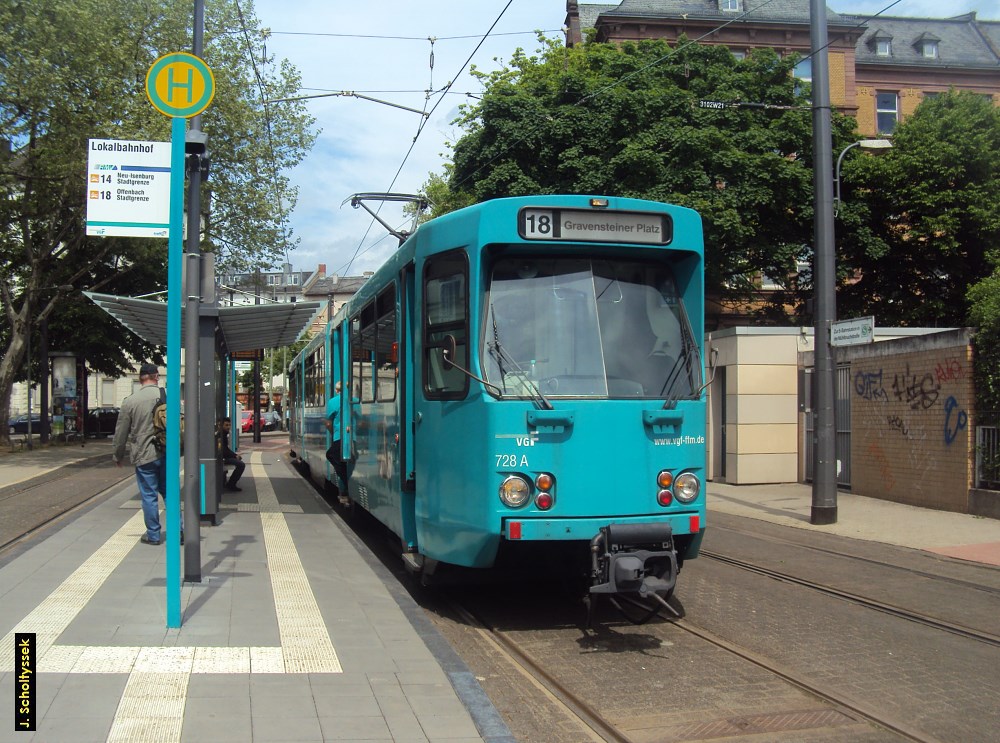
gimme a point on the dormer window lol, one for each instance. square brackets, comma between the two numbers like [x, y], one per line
[927, 45]
[731, 6]
[881, 42]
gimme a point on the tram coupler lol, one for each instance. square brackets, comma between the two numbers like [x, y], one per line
[635, 559]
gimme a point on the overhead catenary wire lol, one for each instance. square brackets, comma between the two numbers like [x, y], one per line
[425, 119]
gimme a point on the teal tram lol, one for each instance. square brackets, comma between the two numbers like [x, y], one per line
[526, 388]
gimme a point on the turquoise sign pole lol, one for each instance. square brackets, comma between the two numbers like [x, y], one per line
[179, 85]
[175, 254]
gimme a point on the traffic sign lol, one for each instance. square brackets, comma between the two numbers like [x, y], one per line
[128, 188]
[180, 85]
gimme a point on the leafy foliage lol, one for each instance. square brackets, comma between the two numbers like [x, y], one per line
[72, 70]
[984, 300]
[625, 120]
[919, 224]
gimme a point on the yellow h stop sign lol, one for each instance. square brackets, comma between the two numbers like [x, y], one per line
[180, 85]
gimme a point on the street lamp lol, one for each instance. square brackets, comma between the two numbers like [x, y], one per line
[871, 145]
[27, 349]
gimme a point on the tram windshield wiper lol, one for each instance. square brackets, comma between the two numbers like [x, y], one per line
[690, 354]
[500, 354]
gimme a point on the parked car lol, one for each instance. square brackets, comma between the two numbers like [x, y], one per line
[101, 422]
[19, 424]
[272, 420]
[246, 423]
[267, 421]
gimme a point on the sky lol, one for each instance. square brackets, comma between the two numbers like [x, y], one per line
[366, 146]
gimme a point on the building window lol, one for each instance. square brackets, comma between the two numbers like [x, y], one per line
[803, 71]
[293, 279]
[930, 50]
[883, 47]
[738, 54]
[732, 6]
[886, 111]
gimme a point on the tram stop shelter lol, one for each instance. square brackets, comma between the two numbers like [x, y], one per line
[223, 331]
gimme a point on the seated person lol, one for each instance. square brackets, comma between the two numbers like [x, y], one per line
[229, 457]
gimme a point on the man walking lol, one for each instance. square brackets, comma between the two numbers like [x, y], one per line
[135, 429]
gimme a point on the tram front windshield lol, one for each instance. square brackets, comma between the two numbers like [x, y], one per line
[581, 327]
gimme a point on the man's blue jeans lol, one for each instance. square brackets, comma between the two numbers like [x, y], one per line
[152, 480]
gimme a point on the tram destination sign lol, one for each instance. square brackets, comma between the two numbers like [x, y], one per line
[128, 188]
[584, 225]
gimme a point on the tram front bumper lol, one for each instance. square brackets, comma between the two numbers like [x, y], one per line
[542, 529]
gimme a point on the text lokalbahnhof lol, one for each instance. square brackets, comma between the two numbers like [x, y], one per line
[120, 147]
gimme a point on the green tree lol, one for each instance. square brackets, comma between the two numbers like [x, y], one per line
[71, 70]
[984, 301]
[919, 225]
[625, 120]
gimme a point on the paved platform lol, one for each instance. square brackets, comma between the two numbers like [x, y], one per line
[294, 634]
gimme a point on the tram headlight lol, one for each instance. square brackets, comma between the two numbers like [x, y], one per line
[515, 491]
[686, 487]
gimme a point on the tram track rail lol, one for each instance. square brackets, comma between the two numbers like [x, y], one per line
[823, 692]
[573, 706]
[994, 590]
[854, 598]
[33, 520]
[602, 729]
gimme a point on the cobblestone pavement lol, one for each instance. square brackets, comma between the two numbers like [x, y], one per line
[660, 683]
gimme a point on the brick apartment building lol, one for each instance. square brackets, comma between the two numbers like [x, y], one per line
[880, 68]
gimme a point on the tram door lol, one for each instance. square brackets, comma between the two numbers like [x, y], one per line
[441, 422]
[340, 353]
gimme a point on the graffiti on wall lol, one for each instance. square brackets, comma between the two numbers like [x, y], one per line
[869, 385]
[917, 391]
[920, 392]
[911, 415]
[953, 426]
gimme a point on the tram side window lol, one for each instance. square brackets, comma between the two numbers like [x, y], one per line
[386, 348]
[309, 388]
[315, 379]
[363, 351]
[446, 311]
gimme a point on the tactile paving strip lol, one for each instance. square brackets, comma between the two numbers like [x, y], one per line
[50, 618]
[151, 708]
[305, 640]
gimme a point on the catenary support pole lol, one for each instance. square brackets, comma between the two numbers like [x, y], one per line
[194, 151]
[824, 494]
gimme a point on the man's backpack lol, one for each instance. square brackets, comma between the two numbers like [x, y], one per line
[160, 423]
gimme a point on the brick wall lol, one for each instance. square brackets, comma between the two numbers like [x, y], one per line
[866, 111]
[911, 412]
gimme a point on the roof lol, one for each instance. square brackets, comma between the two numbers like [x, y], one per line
[244, 328]
[794, 11]
[336, 285]
[961, 41]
